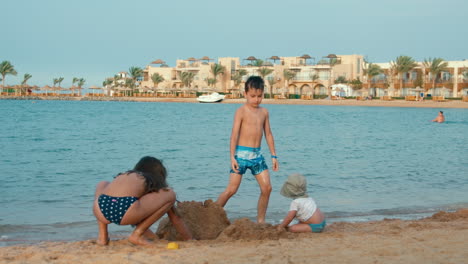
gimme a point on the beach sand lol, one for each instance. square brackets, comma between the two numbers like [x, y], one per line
[441, 238]
[345, 102]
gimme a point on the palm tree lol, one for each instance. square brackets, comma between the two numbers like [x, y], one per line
[6, 68]
[74, 80]
[237, 77]
[288, 76]
[356, 84]
[115, 80]
[55, 80]
[272, 82]
[264, 71]
[187, 78]
[217, 69]
[26, 77]
[314, 77]
[80, 84]
[404, 64]
[257, 63]
[370, 71]
[157, 79]
[60, 80]
[135, 73]
[210, 81]
[341, 79]
[435, 67]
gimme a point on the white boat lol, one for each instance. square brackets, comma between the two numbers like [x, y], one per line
[211, 98]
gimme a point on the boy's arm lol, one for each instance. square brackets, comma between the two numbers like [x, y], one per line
[289, 217]
[179, 224]
[234, 139]
[271, 142]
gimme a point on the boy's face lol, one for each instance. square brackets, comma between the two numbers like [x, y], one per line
[254, 97]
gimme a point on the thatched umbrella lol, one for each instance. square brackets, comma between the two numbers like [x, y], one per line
[206, 58]
[72, 89]
[46, 88]
[93, 87]
[192, 59]
[158, 61]
[305, 57]
[274, 58]
[251, 59]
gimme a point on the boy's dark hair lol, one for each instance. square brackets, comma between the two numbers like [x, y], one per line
[254, 82]
[441, 112]
[154, 173]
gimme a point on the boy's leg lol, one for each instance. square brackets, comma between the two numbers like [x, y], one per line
[231, 189]
[145, 212]
[103, 235]
[263, 179]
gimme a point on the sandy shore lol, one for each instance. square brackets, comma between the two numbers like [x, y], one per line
[345, 102]
[441, 238]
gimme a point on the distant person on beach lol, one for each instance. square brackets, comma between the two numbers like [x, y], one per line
[440, 118]
[303, 207]
[137, 197]
[250, 123]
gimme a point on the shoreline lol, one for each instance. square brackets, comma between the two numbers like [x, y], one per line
[440, 238]
[344, 102]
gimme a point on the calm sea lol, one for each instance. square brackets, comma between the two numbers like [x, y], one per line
[361, 163]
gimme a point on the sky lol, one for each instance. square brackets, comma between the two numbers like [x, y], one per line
[95, 39]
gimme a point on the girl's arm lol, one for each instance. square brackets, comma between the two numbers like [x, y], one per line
[289, 217]
[179, 224]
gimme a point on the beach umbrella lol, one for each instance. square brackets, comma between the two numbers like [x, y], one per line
[274, 58]
[158, 61]
[46, 88]
[417, 90]
[206, 58]
[93, 87]
[305, 57]
[191, 59]
[251, 59]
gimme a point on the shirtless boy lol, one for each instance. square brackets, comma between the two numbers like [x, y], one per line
[250, 123]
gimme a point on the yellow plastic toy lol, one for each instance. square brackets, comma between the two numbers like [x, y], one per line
[172, 245]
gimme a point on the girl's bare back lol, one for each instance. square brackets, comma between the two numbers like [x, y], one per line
[126, 184]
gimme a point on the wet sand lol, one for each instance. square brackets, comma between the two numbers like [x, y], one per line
[441, 238]
[344, 102]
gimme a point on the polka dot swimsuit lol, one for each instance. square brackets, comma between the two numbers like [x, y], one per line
[114, 208]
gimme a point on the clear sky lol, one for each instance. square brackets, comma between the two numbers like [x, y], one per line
[95, 39]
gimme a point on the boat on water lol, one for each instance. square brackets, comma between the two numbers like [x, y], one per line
[210, 98]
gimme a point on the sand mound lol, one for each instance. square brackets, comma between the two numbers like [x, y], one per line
[446, 217]
[245, 229]
[206, 221]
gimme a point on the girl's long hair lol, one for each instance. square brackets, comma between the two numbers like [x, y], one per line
[154, 173]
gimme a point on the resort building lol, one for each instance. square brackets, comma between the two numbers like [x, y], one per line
[303, 76]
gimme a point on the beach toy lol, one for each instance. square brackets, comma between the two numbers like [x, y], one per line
[172, 245]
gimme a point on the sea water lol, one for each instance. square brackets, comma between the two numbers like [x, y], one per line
[361, 163]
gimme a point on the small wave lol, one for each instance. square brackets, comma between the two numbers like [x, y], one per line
[58, 150]
[415, 212]
[8, 228]
[170, 150]
[50, 201]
